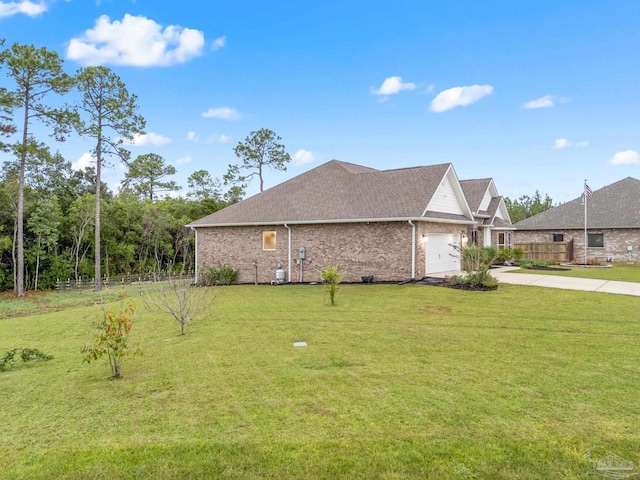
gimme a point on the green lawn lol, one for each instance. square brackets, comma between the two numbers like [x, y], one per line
[397, 382]
[625, 272]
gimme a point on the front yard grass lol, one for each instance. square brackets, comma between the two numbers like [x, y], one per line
[625, 272]
[396, 382]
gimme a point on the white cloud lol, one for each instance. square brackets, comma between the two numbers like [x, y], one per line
[224, 113]
[561, 143]
[459, 97]
[31, 9]
[302, 157]
[183, 160]
[218, 43]
[542, 102]
[626, 157]
[564, 143]
[215, 138]
[85, 160]
[153, 139]
[193, 136]
[136, 41]
[393, 85]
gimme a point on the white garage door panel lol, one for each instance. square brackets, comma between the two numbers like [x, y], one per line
[441, 253]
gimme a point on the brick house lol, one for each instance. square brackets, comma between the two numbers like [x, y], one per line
[392, 224]
[613, 224]
[492, 222]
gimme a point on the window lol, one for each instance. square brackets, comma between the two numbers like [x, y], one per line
[268, 240]
[474, 237]
[504, 239]
[558, 237]
[596, 240]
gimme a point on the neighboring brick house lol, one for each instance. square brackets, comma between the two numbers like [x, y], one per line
[392, 224]
[613, 224]
[493, 225]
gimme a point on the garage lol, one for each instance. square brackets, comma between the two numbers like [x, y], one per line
[442, 253]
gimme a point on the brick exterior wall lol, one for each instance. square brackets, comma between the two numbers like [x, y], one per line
[615, 242]
[379, 249]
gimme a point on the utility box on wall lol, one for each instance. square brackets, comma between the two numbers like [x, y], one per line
[303, 253]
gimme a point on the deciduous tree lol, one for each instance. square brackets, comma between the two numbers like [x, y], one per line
[44, 223]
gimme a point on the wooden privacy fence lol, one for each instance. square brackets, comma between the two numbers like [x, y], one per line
[552, 252]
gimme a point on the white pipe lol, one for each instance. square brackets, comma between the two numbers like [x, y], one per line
[289, 252]
[195, 268]
[413, 249]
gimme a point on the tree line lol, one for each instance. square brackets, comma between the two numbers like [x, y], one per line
[59, 223]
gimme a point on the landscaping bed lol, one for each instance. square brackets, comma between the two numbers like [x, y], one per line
[448, 283]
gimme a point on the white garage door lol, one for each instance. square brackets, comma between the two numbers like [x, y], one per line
[441, 253]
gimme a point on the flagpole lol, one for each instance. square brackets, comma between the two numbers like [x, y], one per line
[584, 199]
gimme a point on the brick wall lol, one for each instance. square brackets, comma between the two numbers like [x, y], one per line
[379, 249]
[615, 246]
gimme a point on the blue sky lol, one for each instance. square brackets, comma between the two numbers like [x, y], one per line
[540, 95]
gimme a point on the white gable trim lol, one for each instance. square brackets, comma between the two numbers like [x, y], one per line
[449, 197]
[502, 212]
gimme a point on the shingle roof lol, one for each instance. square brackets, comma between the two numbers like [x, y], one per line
[614, 206]
[474, 190]
[339, 191]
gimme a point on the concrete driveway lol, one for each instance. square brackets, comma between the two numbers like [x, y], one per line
[567, 283]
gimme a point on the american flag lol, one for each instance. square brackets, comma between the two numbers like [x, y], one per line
[587, 191]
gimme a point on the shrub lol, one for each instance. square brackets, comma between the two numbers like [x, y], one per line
[528, 264]
[476, 262]
[330, 276]
[112, 338]
[477, 258]
[219, 274]
[25, 354]
[518, 253]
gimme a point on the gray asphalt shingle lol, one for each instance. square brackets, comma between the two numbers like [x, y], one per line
[614, 206]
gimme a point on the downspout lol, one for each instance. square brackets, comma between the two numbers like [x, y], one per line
[288, 252]
[195, 266]
[413, 249]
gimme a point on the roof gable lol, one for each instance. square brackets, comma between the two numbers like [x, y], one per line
[475, 192]
[449, 197]
[339, 192]
[613, 206]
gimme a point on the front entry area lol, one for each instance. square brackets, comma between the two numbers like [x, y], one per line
[441, 254]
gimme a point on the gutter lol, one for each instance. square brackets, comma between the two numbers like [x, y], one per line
[195, 267]
[346, 220]
[413, 249]
[288, 252]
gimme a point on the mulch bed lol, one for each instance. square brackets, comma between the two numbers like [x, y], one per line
[444, 282]
[548, 269]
